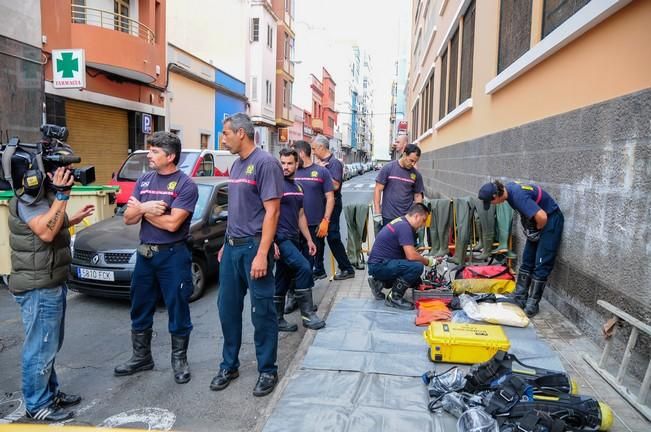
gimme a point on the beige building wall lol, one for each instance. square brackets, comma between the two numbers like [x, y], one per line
[191, 110]
[608, 60]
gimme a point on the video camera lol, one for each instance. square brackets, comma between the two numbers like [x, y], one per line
[25, 166]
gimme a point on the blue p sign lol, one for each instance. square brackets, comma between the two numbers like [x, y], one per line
[146, 123]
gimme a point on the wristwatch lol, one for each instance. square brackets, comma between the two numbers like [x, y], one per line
[61, 196]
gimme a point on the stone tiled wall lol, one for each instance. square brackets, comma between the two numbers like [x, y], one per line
[596, 162]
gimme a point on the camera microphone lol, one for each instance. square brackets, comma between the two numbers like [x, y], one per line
[62, 160]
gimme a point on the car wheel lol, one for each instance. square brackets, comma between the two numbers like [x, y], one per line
[198, 278]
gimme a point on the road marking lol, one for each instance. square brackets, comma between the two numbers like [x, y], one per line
[154, 418]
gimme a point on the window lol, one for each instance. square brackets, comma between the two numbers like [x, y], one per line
[427, 96]
[222, 196]
[121, 21]
[290, 93]
[78, 13]
[205, 139]
[285, 93]
[270, 36]
[415, 128]
[267, 92]
[254, 88]
[467, 50]
[331, 123]
[444, 80]
[207, 166]
[255, 29]
[332, 95]
[452, 76]
[515, 31]
[457, 60]
[55, 110]
[556, 12]
[287, 46]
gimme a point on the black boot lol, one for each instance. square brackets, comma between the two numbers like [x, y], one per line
[306, 304]
[376, 288]
[180, 359]
[396, 299]
[291, 305]
[283, 325]
[141, 359]
[537, 288]
[519, 297]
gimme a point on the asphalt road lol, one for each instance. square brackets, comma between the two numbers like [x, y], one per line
[97, 338]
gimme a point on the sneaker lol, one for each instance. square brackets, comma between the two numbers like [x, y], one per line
[66, 400]
[52, 413]
[223, 379]
[345, 274]
[318, 276]
[266, 384]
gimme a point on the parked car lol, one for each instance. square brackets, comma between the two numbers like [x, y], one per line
[193, 162]
[104, 254]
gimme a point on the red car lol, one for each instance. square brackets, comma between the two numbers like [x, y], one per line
[193, 162]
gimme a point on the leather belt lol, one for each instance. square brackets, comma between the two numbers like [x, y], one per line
[239, 241]
[163, 247]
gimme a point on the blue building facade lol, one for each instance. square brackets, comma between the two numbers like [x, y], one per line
[230, 98]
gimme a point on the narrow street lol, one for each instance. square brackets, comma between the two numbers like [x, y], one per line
[97, 338]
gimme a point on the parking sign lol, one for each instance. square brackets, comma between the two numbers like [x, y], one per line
[146, 123]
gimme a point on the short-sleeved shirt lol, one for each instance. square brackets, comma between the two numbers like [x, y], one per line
[290, 206]
[529, 198]
[254, 180]
[28, 212]
[390, 241]
[316, 181]
[336, 169]
[177, 190]
[400, 185]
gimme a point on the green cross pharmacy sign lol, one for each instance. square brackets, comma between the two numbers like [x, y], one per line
[69, 68]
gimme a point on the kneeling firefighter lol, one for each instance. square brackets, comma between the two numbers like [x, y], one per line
[394, 260]
[542, 223]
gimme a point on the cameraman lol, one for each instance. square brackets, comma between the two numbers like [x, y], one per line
[40, 256]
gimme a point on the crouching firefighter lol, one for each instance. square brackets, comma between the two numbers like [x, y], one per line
[162, 202]
[394, 261]
[291, 263]
[542, 223]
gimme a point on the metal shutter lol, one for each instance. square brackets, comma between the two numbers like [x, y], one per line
[99, 134]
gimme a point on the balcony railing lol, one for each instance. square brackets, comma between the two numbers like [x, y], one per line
[111, 20]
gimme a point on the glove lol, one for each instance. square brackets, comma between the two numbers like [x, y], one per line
[323, 228]
[431, 261]
[528, 224]
[377, 218]
[532, 235]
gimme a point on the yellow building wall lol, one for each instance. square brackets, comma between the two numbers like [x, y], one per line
[192, 110]
[610, 60]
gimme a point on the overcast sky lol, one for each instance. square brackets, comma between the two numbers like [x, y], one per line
[325, 33]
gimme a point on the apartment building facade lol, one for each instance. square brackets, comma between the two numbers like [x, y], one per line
[125, 55]
[557, 93]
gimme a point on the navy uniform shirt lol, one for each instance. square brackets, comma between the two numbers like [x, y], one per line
[177, 190]
[529, 198]
[400, 185]
[290, 207]
[390, 241]
[316, 182]
[253, 180]
[336, 169]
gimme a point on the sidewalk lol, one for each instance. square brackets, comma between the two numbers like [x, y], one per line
[551, 327]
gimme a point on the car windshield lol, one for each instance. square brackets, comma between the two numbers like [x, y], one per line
[202, 202]
[136, 165]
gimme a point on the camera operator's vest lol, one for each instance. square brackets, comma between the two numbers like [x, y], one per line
[35, 263]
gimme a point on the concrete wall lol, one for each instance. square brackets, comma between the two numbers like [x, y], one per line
[596, 162]
[21, 81]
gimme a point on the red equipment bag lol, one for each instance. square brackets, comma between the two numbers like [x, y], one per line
[486, 272]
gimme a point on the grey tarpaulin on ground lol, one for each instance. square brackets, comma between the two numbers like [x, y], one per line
[356, 217]
[362, 373]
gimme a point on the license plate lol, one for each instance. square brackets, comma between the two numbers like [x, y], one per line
[102, 275]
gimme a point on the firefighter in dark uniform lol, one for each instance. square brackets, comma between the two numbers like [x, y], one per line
[246, 261]
[542, 223]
